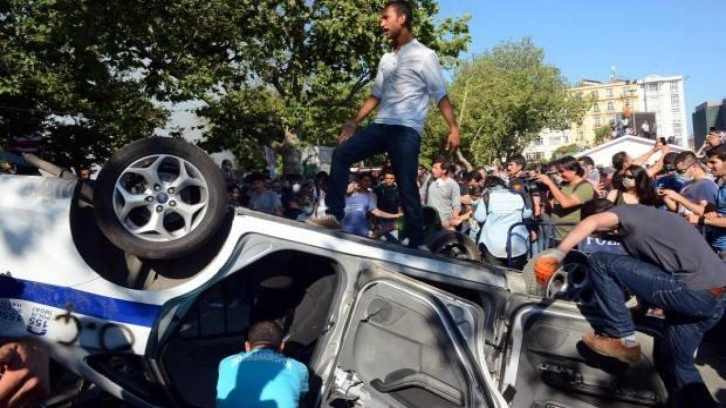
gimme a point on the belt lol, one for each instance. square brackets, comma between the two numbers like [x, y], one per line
[717, 291]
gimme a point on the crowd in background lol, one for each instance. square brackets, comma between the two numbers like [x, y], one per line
[511, 211]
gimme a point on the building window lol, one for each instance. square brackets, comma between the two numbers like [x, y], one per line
[595, 94]
[535, 156]
[653, 87]
[596, 108]
[611, 107]
[611, 120]
[674, 87]
[677, 127]
[597, 121]
[610, 92]
[675, 102]
[538, 141]
[565, 139]
[581, 135]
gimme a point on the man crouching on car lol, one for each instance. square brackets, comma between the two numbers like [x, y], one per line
[670, 266]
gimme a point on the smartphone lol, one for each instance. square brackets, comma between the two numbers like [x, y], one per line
[663, 141]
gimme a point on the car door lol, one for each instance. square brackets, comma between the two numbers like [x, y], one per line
[546, 364]
[408, 344]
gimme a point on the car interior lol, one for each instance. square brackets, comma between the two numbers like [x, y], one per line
[294, 289]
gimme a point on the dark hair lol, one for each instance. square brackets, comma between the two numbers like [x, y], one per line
[256, 176]
[402, 7]
[643, 185]
[670, 159]
[445, 165]
[472, 175]
[619, 160]
[364, 175]
[266, 334]
[595, 206]
[686, 156]
[233, 187]
[570, 163]
[321, 176]
[494, 181]
[587, 160]
[387, 172]
[718, 151]
[518, 159]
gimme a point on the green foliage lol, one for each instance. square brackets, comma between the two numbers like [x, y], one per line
[504, 98]
[309, 64]
[602, 134]
[567, 150]
[90, 75]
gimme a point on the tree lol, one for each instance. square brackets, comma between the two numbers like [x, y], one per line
[89, 74]
[505, 97]
[602, 134]
[304, 71]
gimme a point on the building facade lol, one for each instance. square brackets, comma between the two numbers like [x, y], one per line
[657, 100]
[665, 97]
[706, 116]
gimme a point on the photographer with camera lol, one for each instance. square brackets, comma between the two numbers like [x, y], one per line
[565, 201]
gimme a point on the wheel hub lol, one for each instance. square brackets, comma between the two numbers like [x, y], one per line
[162, 198]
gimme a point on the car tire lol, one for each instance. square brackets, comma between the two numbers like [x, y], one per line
[454, 244]
[160, 198]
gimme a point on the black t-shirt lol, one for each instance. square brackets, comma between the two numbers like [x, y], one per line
[388, 199]
[670, 242]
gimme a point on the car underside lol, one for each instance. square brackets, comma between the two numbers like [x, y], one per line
[377, 324]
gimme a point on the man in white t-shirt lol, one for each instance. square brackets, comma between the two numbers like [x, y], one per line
[407, 79]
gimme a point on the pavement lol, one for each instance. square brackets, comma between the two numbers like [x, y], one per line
[711, 362]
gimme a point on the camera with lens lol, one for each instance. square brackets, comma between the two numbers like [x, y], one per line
[534, 186]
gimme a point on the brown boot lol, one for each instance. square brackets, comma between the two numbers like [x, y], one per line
[609, 347]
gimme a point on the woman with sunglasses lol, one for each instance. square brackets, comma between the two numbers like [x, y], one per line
[635, 187]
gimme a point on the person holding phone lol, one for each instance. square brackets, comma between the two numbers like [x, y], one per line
[698, 190]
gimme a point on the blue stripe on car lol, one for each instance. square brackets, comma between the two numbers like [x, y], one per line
[86, 303]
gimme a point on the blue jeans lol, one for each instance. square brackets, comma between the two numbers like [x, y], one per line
[688, 313]
[402, 145]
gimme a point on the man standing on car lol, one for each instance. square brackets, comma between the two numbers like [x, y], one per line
[670, 266]
[261, 376]
[407, 79]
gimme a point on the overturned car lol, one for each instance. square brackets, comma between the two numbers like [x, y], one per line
[142, 282]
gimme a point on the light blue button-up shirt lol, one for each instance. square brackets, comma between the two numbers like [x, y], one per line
[505, 209]
[405, 83]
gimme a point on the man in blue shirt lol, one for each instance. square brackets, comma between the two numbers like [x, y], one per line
[408, 78]
[262, 376]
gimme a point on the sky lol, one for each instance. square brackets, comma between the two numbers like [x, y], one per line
[584, 38]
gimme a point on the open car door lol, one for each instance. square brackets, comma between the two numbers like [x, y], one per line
[410, 345]
[546, 364]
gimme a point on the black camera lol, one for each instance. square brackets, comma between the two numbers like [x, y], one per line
[533, 185]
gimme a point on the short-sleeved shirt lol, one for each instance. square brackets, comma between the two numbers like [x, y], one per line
[405, 83]
[718, 235]
[261, 378]
[584, 192]
[267, 201]
[670, 242]
[357, 207]
[444, 196]
[700, 190]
